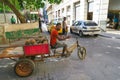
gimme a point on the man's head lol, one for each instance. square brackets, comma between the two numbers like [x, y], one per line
[58, 26]
[64, 18]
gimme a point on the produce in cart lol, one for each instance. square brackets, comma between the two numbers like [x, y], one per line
[39, 40]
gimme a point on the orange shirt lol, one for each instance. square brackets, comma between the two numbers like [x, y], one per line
[53, 37]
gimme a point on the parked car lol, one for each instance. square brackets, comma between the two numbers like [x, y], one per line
[52, 26]
[86, 27]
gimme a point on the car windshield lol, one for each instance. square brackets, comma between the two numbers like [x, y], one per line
[77, 23]
[55, 22]
[90, 23]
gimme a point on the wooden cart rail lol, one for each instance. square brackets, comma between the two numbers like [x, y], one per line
[6, 49]
[12, 56]
[11, 46]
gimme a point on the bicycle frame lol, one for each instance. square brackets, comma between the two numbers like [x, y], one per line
[71, 48]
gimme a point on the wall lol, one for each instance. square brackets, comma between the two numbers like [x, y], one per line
[2, 35]
[8, 16]
[114, 4]
[83, 8]
[100, 12]
[69, 14]
[24, 26]
[14, 31]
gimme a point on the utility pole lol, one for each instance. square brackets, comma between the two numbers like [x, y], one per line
[4, 12]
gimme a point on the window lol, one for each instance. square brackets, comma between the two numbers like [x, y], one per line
[90, 24]
[62, 10]
[58, 13]
[68, 9]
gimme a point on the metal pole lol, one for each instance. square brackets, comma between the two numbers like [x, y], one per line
[4, 12]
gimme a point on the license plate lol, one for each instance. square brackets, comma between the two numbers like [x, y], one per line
[93, 28]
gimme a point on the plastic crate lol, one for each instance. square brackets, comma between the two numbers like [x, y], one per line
[30, 50]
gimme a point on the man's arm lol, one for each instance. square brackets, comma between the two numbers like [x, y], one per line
[62, 37]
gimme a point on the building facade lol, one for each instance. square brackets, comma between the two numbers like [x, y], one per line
[96, 10]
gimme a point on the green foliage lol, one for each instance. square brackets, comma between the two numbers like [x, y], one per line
[20, 2]
[36, 4]
[54, 1]
[15, 3]
[29, 4]
[7, 9]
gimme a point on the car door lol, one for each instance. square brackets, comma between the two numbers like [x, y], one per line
[73, 26]
[78, 26]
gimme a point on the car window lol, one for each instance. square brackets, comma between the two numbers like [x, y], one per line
[73, 24]
[90, 23]
[77, 23]
[55, 22]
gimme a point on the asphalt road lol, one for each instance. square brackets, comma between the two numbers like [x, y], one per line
[101, 63]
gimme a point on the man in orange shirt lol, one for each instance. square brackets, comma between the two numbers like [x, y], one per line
[55, 36]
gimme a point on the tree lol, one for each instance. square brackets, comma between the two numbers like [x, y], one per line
[36, 3]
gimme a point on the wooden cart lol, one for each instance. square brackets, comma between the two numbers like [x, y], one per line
[25, 63]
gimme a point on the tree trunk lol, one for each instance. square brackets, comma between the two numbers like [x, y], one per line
[18, 14]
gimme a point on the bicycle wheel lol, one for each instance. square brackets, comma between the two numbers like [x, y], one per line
[81, 53]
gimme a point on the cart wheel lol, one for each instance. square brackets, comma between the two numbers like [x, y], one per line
[81, 53]
[24, 67]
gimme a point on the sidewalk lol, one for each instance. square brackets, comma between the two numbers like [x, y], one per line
[111, 33]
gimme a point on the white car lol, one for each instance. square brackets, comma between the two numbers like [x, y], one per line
[86, 27]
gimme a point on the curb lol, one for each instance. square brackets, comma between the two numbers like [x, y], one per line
[113, 37]
[105, 36]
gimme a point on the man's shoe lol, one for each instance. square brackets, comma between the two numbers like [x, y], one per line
[63, 55]
[69, 52]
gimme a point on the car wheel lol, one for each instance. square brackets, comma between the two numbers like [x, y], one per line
[80, 33]
[71, 30]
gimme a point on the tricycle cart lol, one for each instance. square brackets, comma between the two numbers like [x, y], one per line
[25, 64]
